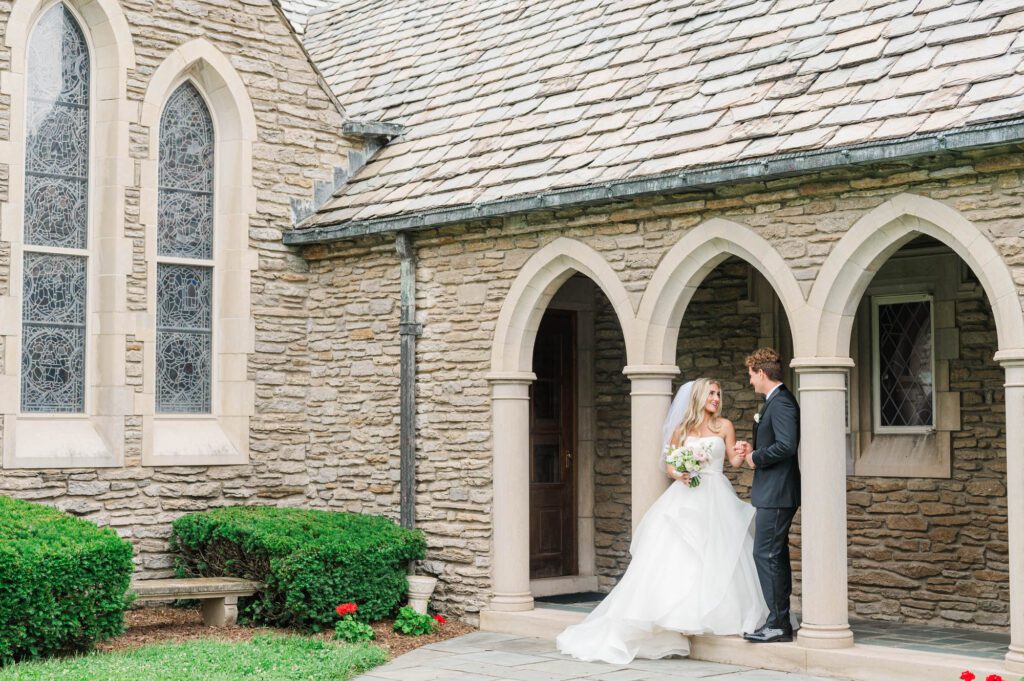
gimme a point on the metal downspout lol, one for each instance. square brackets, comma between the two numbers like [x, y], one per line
[408, 329]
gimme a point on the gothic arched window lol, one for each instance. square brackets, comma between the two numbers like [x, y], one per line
[184, 281]
[56, 217]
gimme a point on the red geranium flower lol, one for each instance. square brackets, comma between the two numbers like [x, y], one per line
[967, 676]
[992, 677]
[440, 619]
[346, 609]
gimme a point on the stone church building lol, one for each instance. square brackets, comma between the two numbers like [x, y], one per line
[448, 262]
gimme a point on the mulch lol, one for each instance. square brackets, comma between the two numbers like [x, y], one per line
[149, 625]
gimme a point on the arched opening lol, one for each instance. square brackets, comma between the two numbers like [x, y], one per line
[579, 445]
[926, 460]
[544, 402]
[926, 307]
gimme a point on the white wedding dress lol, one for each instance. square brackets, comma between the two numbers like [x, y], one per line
[692, 572]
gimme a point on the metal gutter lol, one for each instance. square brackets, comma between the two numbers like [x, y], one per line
[769, 167]
[408, 329]
[372, 129]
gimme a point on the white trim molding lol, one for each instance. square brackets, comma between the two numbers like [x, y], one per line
[94, 438]
[222, 437]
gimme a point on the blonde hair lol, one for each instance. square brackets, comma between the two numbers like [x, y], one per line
[694, 414]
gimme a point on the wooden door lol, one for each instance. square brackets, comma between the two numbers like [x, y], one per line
[552, 448]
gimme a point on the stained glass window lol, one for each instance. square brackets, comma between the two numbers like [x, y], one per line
[905, 390]
[186, 177]
[183, 351]
[185, 230]
[56, 216]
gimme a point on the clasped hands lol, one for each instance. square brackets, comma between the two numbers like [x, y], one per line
[743, 448]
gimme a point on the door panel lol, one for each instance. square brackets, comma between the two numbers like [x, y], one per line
[552, 443]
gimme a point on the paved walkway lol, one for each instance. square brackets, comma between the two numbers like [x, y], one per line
[484, 656]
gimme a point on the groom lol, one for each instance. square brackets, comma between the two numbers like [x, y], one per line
[776, 490]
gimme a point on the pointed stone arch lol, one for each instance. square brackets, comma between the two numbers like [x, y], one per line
[532, 290]
[98, 440]
[225, 439]
[686, 265]
[110, 39]
[867, 245]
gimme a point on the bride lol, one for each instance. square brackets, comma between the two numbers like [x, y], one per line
[692, 568]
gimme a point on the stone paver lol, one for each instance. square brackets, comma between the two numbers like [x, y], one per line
[486, 656]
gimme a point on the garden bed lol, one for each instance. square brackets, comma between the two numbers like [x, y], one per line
[145, 626]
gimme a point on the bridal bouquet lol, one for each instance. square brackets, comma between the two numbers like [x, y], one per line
[689, 459]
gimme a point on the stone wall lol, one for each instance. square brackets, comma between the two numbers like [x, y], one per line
[612, 463]
[297, 143]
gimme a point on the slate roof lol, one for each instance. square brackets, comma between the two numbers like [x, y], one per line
[298, 11]
[503, 98]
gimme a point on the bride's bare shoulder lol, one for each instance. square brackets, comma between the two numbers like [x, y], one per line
[726, 425]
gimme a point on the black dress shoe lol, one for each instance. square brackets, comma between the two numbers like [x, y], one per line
[753, 634]
[770, 635]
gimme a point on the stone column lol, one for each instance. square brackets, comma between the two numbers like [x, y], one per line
[1013, 365]
[650, 396]
[510, 437]
[822, 384]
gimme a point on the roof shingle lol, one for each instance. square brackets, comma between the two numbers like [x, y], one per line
[504, 97]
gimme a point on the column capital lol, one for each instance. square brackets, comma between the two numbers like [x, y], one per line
[1013, 357]
[651, 371]
[526, 377]
[821, 364]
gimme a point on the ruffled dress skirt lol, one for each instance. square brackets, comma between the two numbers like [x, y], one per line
[692, 572]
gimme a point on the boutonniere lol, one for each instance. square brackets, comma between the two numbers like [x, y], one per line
[757, 417]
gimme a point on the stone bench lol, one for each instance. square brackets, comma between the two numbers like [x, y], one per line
[218, 594]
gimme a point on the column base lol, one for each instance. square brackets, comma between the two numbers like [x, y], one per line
[519, 602]
[1015, 660]
[827, 636]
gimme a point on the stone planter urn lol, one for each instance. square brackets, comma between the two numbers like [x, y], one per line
[420, 588]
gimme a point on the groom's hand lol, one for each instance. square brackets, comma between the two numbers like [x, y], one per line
[750, 458]
[742, 448]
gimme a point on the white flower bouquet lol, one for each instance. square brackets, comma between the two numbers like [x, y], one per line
[689, 459]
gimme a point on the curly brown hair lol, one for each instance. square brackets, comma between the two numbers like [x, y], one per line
[767, 360]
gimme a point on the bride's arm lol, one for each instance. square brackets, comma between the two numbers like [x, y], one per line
[729, 435]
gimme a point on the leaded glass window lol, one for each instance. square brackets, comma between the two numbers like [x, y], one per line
[56, 216]
[186, 177]
[184, 288]
[183, 352]
[904, 389]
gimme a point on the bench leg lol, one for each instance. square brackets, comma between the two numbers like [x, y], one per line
[220, 612]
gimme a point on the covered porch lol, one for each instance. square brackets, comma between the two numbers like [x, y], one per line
[826, 352]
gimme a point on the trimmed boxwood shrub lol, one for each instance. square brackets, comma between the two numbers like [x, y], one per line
[309, 560]
[63, 581]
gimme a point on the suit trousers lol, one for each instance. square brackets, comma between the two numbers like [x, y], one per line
[771, 557]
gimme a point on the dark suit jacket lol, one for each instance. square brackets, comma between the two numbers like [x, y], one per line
[776, 438]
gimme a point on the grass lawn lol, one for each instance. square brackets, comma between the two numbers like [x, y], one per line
[264, 658]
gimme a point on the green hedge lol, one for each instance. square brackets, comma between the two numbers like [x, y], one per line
[63, 581]
[311, 561]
